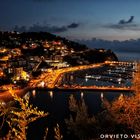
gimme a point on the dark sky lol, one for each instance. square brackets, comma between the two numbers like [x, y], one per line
[74, 19]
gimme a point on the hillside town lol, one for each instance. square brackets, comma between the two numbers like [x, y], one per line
[26, 55]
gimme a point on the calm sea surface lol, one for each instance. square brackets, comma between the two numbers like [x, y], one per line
[128, 56]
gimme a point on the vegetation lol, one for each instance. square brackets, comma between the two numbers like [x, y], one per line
[118, 117]
[58, 135]
[90, 56]
[17, 117]
[80, 123]
[126, 110]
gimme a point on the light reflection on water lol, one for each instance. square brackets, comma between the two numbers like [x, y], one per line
[51, 94]
[34, 93]
[58, 107]
[57, 102]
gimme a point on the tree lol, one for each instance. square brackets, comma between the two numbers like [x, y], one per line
[83, 126]
[18, 118]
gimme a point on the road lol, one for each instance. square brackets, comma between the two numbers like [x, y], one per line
[97, 88]
[49, 79]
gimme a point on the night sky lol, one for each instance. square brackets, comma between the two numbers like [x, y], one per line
[74, 19]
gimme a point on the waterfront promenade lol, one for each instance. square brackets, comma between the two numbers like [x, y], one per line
[48, 80]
